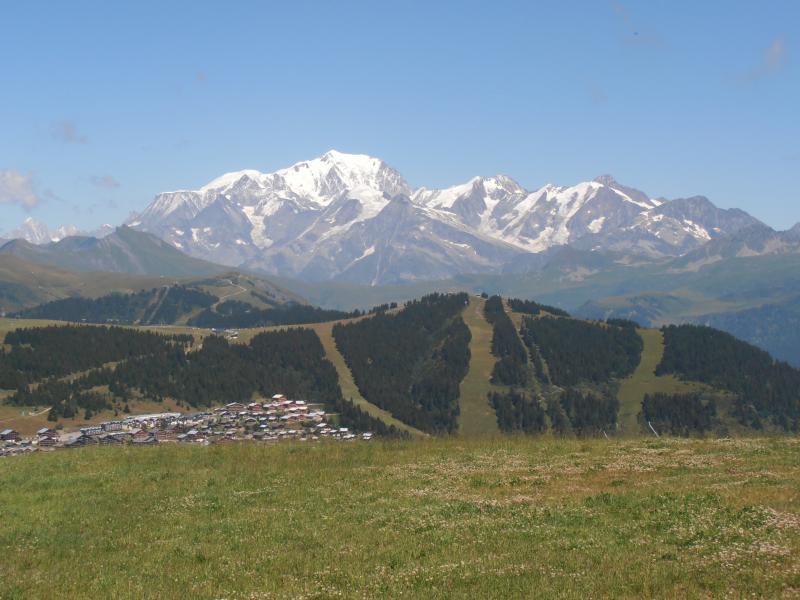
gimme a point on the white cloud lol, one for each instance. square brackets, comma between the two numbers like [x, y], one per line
[17, 188]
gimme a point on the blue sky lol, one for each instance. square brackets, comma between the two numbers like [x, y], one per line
[103, 105]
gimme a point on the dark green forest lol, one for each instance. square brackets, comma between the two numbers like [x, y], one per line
[512, 366]
[157, 306]
[766, 390]
[411, 363]
[581, 412]
[55, 351]
[578, 351]
[236, 314]
[529, 307]
[590, 412]
[156, 367]
[517, 412]
[679, 414]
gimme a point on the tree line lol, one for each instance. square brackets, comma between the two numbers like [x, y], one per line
[530, 307]
[766, 390]
[237, 314]
[54, 351]
[679, 414]
[162, 305]
[512, 365]
[570, 411]
[411, 363]
[577, 351]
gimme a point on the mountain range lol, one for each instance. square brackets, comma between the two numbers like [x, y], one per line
[352, 218]
[36, 232]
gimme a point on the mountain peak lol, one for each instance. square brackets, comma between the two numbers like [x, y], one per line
[36, 232]
[606, 180]
[336, 156]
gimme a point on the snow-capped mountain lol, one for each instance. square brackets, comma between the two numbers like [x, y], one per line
[353, 218]
[36, 232]
[239, 215]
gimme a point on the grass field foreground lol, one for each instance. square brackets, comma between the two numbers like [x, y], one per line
[484, 518]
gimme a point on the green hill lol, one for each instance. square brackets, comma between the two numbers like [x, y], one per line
[227, 300]
[25, 284]
[448, 364]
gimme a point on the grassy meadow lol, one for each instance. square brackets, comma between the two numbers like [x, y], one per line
[477, 415]
[644, 381]
[453, 518]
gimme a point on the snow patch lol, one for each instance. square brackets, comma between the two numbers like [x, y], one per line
[596, 225]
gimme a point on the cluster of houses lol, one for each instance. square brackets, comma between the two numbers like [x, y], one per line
[278, 419]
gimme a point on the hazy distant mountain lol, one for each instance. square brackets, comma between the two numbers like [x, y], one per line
[124, 251]
[755, 240]
[25, 284]
[36, 232]
[353, 218]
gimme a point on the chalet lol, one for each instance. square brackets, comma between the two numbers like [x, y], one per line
[166, 435]
[80, 441]
[146, 439]
[278, 398]
[234, 407]
[112, 426]
[255, 407]
[140, 434]
[9, 435]
[108, 439]
[47, 432]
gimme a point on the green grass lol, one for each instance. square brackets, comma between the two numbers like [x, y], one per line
[456, 518]
[477, 415]
[644, 381]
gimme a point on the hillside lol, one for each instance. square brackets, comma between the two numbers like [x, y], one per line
[223, 301]
[443, 364]
[25, 284]
[123, 251]
[411, 363]
[120, 367]
[749, 295]
[449, 518]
